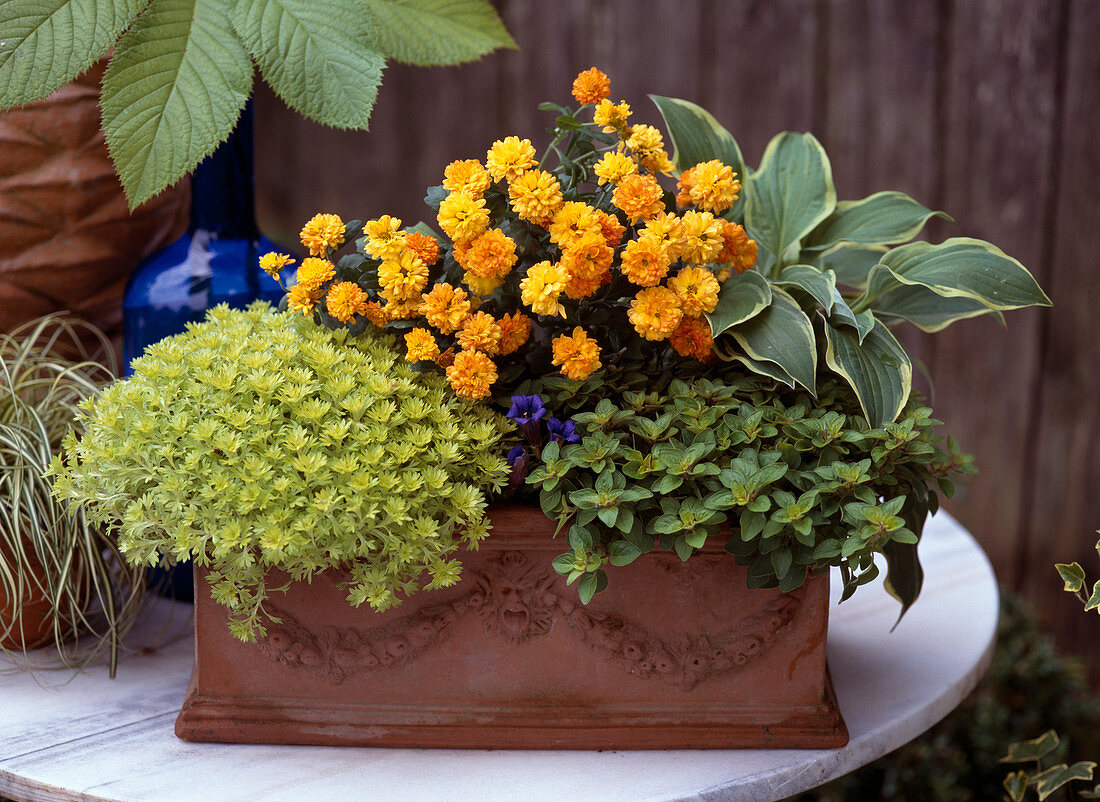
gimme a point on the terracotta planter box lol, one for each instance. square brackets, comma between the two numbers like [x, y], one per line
[672, 655]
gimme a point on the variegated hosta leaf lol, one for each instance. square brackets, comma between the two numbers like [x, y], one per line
[820, 285]
[850, 263]
[925, 309]
[428, 32]
[958, 268]
[788, 196]
[316, 54]
[47, 43]
[842, 315]
[727, 349]
[878, 370]
[782, 334]
[698, 137]
[885, 218]
[172, 92]
[741, 298]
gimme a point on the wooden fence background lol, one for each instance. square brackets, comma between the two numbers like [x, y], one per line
[987, 109]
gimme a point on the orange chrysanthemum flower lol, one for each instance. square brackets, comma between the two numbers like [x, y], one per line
[577, 354]
[472, 374]
[404, 309]
[588, 257]
[345, 300]
[697, 289]
[515, 330]
[321, 232]
[712, 186]
[611, 116]
[639, 196]
[461, 217]
[489, 255]
[384, 237]
[591, 86]
[572, 221]
[425, 247]
[535, 196]
[509, 158]
[480, 332]
[301, 298]
[611, 228]
[447, 358]
[692, 338]
[614, 166]
[467, 176]
[402, 277]
[738, 251]
[446, 307]
[273, 263]
[702, 240]
[542, 286]
[645, 261]
[314, 272]
[421, 345]
[655, 313]
[376, 314]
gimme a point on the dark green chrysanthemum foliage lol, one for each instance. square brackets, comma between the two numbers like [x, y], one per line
[802, 483]
[258, 440]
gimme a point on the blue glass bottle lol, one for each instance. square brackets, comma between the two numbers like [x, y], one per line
[216, 261]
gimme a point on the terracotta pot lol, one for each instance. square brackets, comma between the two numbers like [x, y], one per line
[26, 622]
[672, 655]
[67, 238]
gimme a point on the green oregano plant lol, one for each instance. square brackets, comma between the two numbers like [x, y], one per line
[801, 483]
[257, 440]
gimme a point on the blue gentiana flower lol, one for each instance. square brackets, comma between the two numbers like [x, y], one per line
[562, 430]
[516, 454]
[526, 408]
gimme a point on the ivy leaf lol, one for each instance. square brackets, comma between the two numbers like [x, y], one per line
[878, 370]
[1049, 781]
[1035, 749]
[788, 195]
[1073, 575]
[172, 93]
[742, 297]
[885, 218]
[784, 335]
[317, 56]
[49, 43]
[435, 32]
[1093, 602]
[1016, 785]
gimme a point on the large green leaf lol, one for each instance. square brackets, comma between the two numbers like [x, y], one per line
[172, 92]
[925, 309]
[742, 297]
[317, 56]
[46, 44]
[885, 218]
[428, 32]
[850, 263]
[726, 348]
[820, 285]
[843, 315]
[958, 268]
[784, 335]
[879, 370]
[904, 575]
[788, 195]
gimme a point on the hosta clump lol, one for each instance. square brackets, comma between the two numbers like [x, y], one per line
[256, 440]
[803, 483]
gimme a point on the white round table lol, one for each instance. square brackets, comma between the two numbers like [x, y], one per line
[67, 736]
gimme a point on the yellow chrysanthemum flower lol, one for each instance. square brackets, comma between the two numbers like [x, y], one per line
[535, 196]
[702, 240]
[446, 307]
[405, 309]
[542, 286]
[614, 166]
[481, 285]
[427, 248]
[572, 221]
[668, 228]
[655, 313]
[658, 162]
[645, 139]
[639, 196]
[461, 217]
[301, 298]
[588, 261]
[421, 345]
[321, 232]
[273, 263]
[611, 116]
[738, 251]
[712, 186]
[489, 255]
[645, 261]
[515, 330]
[692, 338]
[591, 86]
[612, 229]
[467, 176]
[578, 355]
[697, 289]
[472, 374]
[345, 300]
[314, 272]
[384, 237]
[402, 277]
[480, 332]
[509, 158]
